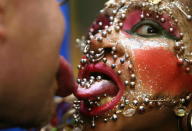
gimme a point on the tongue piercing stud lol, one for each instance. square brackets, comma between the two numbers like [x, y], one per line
[98, 78]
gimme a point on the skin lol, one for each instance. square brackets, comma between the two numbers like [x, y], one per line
[157, 71]
[30, 35]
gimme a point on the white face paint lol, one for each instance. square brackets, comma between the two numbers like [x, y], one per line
[138, 43]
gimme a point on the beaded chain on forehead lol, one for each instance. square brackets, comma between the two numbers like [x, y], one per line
[116, 11]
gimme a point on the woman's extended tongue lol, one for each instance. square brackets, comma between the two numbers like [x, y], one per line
[97, 89]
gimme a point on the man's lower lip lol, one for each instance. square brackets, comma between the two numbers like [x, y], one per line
[99, 110]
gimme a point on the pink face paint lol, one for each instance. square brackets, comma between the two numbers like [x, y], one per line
[158, 69]
[134, 17]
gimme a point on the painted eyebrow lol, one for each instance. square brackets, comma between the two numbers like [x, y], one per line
[135, 16]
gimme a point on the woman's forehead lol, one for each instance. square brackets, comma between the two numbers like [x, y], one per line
[183, 6]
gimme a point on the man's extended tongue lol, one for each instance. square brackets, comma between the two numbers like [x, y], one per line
[97, 89]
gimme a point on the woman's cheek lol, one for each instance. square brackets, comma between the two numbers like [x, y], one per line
[159, 71]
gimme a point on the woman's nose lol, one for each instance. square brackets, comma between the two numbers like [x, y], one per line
[108, 43]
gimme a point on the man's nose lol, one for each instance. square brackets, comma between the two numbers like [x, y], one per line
[108, 43]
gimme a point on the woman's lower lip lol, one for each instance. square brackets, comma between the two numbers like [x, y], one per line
[99, 110]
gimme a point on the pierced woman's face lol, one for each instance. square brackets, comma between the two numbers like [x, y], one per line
[137, 61]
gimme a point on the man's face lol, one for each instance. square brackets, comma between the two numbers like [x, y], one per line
[133, 63]
[31, 33]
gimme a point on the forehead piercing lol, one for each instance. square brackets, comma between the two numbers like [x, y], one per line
[142, 16]
[189, 17]
[162, 20]
[122, 16]
[171, 29]
[147, 14]
[157, 17]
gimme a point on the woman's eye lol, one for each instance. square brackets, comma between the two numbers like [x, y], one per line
[147, 30]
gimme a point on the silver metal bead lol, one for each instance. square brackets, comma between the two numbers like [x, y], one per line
[162, 20]
[113, 66]
[104, 33]
[114, 56]
[122, 60]
[189, 17]
[99, 39]
[114, 117]
[117, 28]
[114, 48]
[126, 83]
[98, 78]
[79, 67]
[119, 72]
[141, 109]
[104, 60]
[135, 102]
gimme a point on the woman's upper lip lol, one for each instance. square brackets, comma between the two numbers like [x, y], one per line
[82, 94]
